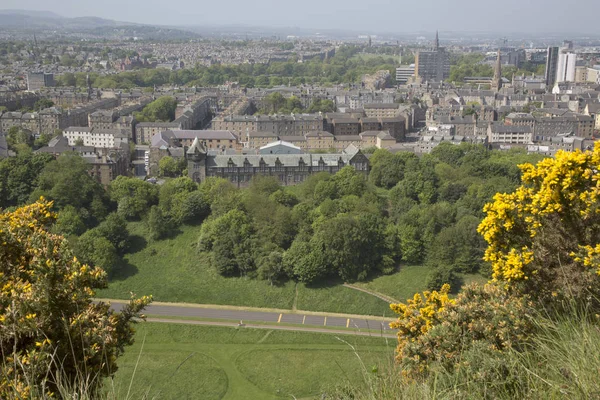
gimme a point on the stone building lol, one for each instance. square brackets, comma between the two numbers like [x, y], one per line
[288, 169]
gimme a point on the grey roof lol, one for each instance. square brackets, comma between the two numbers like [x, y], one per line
[499, 128]
[314, 160]
[257, 134]
[382, 105]
[159, 124]
[78, 129]
[204, 134]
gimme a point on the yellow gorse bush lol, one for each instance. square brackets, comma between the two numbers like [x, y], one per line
[419, 314]
[549, 225]
[48, 322]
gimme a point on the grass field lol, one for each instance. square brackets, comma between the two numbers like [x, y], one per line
[405, 283]
[200, 362]
[172, 270]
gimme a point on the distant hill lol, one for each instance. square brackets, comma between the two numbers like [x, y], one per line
[27, 20]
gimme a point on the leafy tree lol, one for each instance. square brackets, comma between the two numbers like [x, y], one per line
[94, 249]
[69, 222]
[19, 177]
[543, 238]
[42, 104]
[168, 166]
[114, 229]
[441, 276]
[270, 267]
[17, 136]
[45, 302]
[133, 196]
[159, 224]
[161, 109]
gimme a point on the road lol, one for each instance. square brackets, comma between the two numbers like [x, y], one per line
[248, 317]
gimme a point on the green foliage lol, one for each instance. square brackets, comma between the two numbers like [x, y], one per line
[169, 167]
[18, 139]
[52, 332]
[19, 177]
[67, 182]
[94, 249]
[69, 222]
[133, 196]
[114, 229]
[160, 110]
[158, 223]
[440, 276]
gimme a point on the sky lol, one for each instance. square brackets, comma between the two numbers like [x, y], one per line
[394, 16]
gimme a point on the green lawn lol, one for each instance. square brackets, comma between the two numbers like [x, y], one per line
[171, 270]
[400, 285]
[410, 279]
[179, 361]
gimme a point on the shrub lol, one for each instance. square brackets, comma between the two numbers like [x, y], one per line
[439, 331]
[49, 327]
[544, 238]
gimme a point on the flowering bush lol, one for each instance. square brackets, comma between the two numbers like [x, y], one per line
[48, 323]
[544, 238]
[440, 330]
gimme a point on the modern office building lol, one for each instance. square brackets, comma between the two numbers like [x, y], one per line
[551, 66]
[433, 65]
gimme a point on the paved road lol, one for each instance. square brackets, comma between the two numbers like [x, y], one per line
[247, 317]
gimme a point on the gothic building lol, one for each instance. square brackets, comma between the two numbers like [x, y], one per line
[288, 169]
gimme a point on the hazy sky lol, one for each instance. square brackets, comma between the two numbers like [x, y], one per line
[360, 15]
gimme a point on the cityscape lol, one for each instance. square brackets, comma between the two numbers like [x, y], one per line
[282, 211]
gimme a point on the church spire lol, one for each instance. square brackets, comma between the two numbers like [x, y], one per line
[497, 81]
[437, 41]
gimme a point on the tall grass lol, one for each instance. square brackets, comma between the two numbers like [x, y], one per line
[562, 362]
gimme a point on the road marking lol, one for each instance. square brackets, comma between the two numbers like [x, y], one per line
[279, 320]
[348, 322]
[325, 322]
[303, 319]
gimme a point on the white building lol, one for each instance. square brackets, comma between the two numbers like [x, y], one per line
[104, 138]
[404, 73]
[565, 71]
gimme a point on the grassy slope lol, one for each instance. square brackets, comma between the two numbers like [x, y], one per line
[185, 361]
[172, 270]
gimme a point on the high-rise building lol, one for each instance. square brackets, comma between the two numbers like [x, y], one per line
[565, 71]
[38, 80]
[433, 65]
[551, 66]
[497, 81]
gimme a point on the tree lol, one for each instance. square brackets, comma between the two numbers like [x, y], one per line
[544, 238]
[114, 229]
[42, 104]
[69, 222]
[17, 136]
[45, 302]
[168, 166]
[161, 109]
[158, 223]
[133, 196]
[67, 182]
[270, 267]
[440, 276]
[94, 249]
[19, 177]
